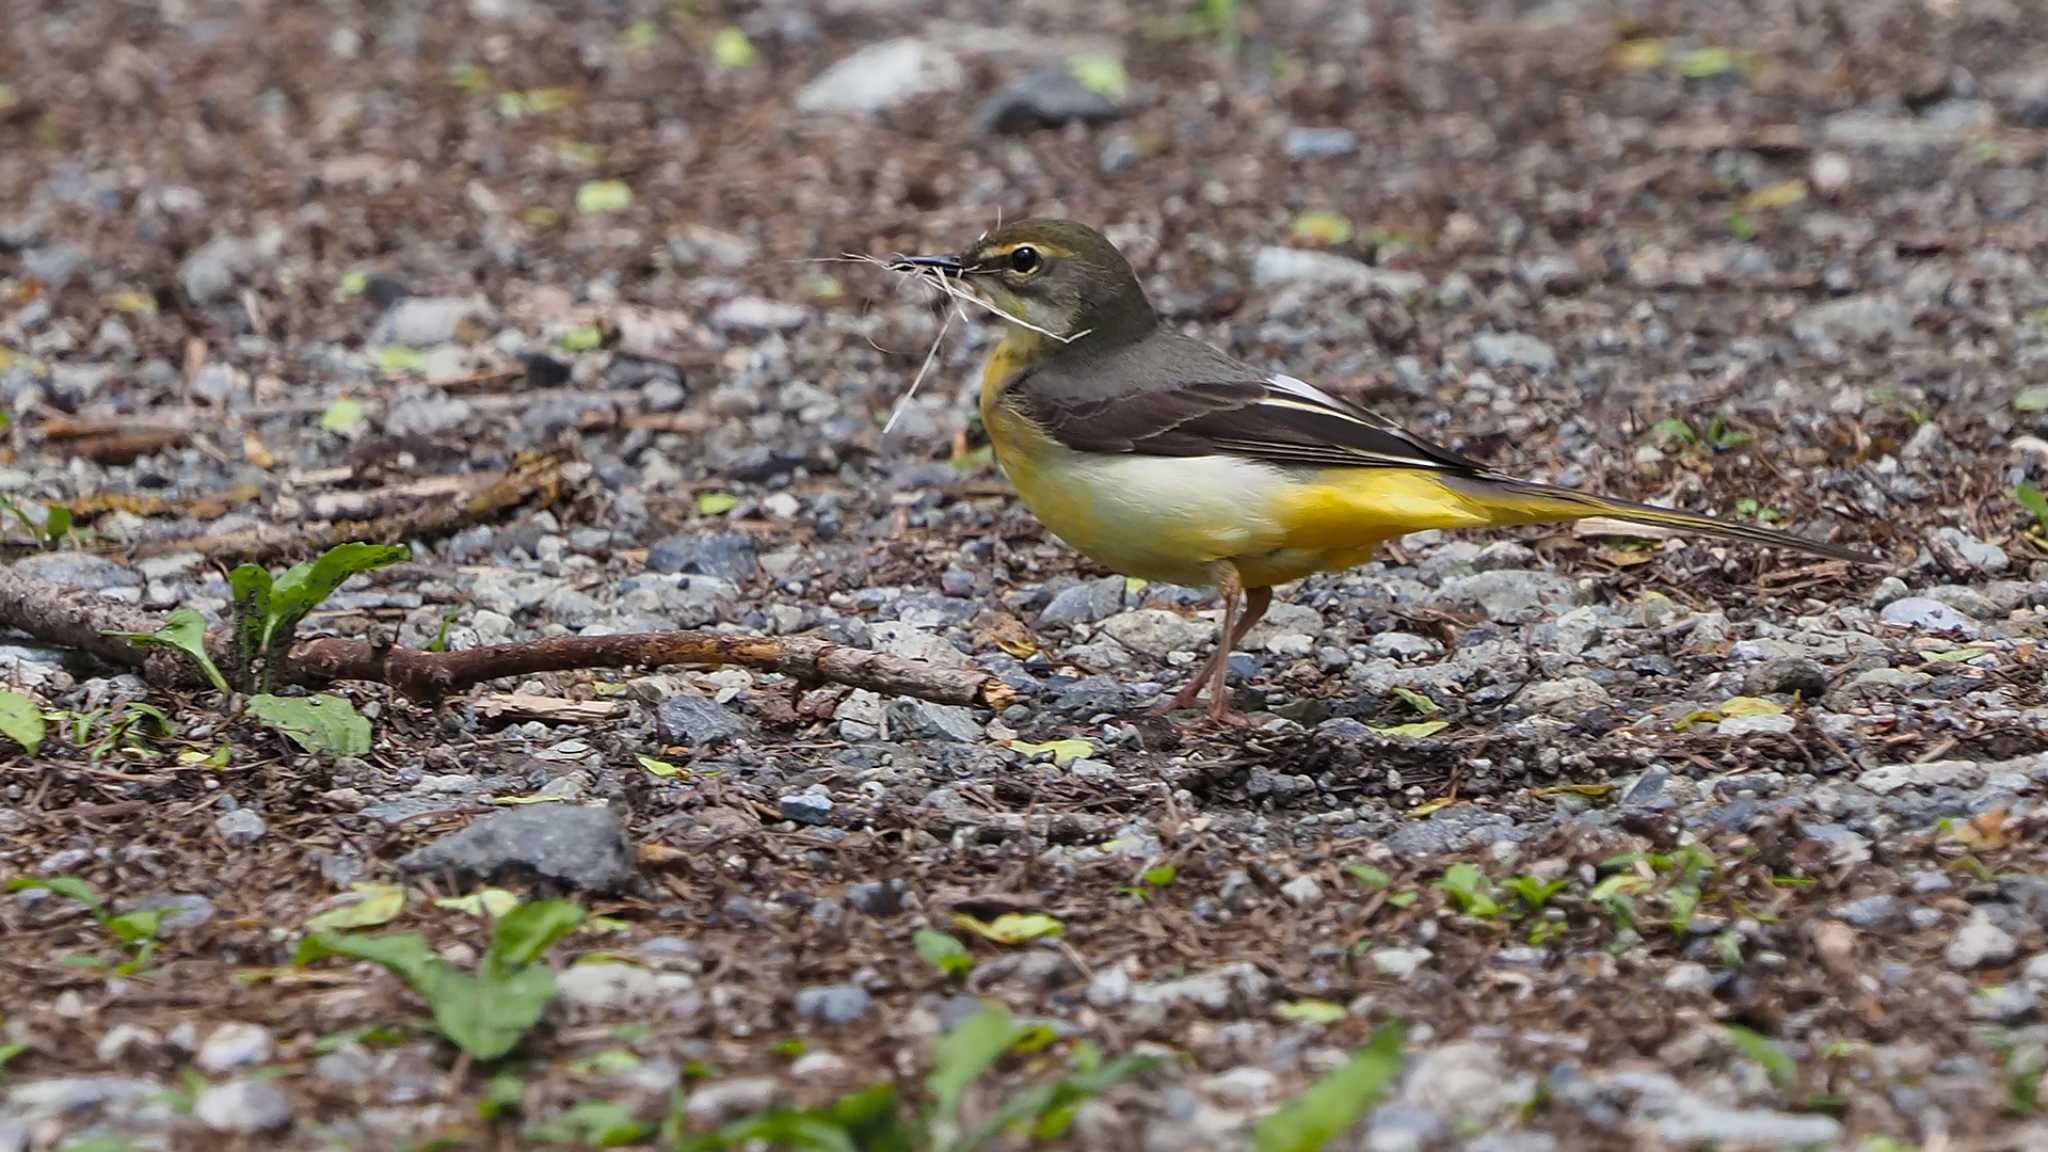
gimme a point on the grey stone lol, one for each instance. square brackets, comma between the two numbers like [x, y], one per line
[1787, 674]
[1966, 555]
[612, 987]
[1854, 320]
[1513, 594]
[243, 1106]
[877, 898]
[427, 415]
[1692, 1122]
[1157, 633]
[1400, 1127]
[1514, 350]
[425, 321]
[833, 1004]
[726, 555]
[759, 314]
[1044, 98]
[36, 1100]
[1737, 727]
[1318, 143]
[241, 827]
[1215, 990]
[716, 1101]
[1869, 912]
[76, 570]
[1570, 697]
[805, 807]
[1877, 684]
[1275, 267]
[1468, 1081]
[882, 76]
[693, 720]
[235, 1045]
[1086, 602]
[2003, 1004]
[1889, 778]
[583, 847]
[923, 720]
[1302, 891]
[210, 273]
[1977, 943]
[1243, 1087]
[1400, 963]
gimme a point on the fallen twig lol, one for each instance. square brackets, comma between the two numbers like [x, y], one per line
[59, 615]
[538, 481]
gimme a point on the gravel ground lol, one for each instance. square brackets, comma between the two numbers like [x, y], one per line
[1661, 845]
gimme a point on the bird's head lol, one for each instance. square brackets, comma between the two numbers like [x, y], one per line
[1053, 277]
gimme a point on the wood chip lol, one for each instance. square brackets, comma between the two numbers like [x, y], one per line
[520, 706]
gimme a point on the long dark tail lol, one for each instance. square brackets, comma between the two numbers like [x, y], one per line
[1540, 503]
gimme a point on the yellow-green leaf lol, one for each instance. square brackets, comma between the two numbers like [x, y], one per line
[491, 903]
[533, 798]
[1415, 731]
[661, 768]
[1640, 55]
[1321, 228]
[1011, 927]
[1432, 807]
[396, 358]
[1063, 751]
[598, 197]
[582, 338]
[716, 503]
[21, 721]
[730, 49]
[1101, 73]
[1749, 706]
[344, 417]
[374, 904]
[1780, 195]
[133, 303]
[1703, 63]
[1311, 1011]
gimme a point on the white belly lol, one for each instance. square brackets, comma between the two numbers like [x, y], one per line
[1154, 517]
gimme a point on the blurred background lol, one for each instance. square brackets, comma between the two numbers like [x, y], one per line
[1437, 202]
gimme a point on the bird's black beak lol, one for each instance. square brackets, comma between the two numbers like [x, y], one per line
[943, 265]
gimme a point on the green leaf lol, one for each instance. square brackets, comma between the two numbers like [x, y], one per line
[1673, 428]
[2033, 399]
[1311, 1011]
[1011, 927]
[1533, 892]
[600, 197]
[1777, 1062]
[731, 49]
[716, 503]
[394, 359]
[1415, 731]
[1101, 73]
[776, 1128]
[1331, 1105]
[344, 417]
[943, 951]
[529, 930]
[250, 586]
[970, 1049]
[582, 338]
[1423, 705]
[68, 886]
[660, 768]
[324, 723]
[1705, 63]
[404, 954]
[184, 631]
[1470, 890]
[1158, 876]
[56, 522]
[2032, 500]
[1064, 752]
[21, 721]
[1050, 1107]
[138, 927]
[503, 1094]
[1367, 875]
[9, 1052]
[373, 904]
[306, 585]
[1321, 228]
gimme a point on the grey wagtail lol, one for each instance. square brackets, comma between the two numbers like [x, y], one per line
[1160, 457]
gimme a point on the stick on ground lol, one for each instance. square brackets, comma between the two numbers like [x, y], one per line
[56, 614]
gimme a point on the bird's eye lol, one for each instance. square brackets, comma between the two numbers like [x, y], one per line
[1024, 260]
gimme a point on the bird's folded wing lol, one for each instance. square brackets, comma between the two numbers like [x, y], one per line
[1278, 419]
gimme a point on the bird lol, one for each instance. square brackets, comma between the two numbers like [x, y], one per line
[1162, 457]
